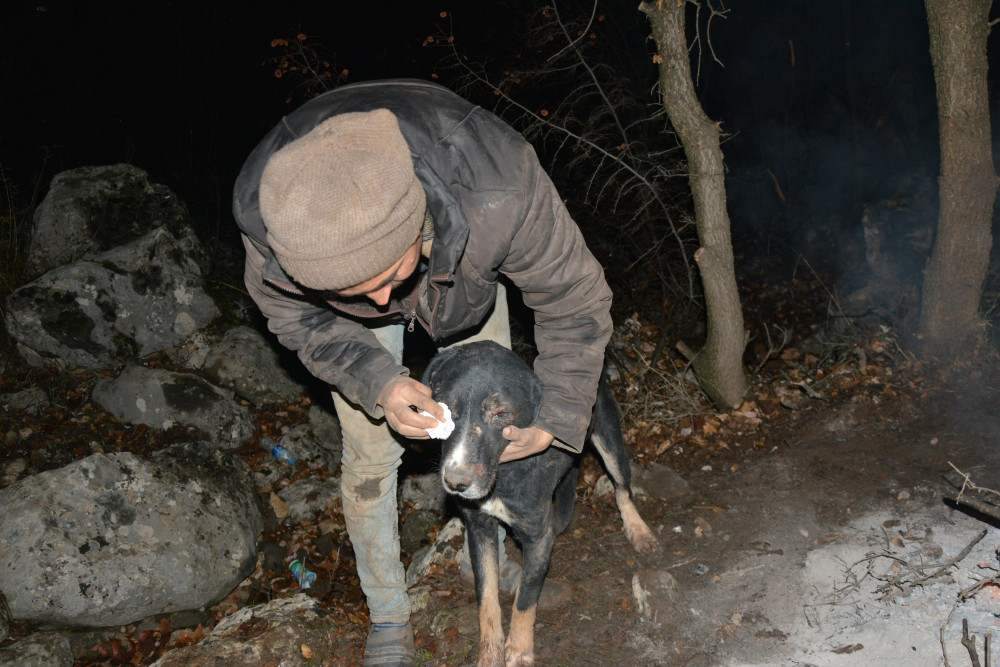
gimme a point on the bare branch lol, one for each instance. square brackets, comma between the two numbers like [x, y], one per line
[618, 140]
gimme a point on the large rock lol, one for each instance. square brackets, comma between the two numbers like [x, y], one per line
[246, 362]
[289, 631]
[44, 649]
[31, 400]
[119, 305]
[443, 551]
[92, 209]
[112, 539]
[161, 399]
[424, 492]
[304, 443]
[309, 497]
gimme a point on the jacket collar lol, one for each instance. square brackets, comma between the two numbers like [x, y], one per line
[451, 228]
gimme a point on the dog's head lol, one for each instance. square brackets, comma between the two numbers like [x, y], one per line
[487, 387]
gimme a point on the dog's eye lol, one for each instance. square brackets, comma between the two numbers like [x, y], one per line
[501, 418]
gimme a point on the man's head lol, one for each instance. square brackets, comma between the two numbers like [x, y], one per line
[343, 206]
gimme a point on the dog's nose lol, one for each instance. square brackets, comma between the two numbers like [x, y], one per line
[458, 478]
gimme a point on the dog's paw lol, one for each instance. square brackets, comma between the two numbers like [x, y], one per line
[490, 658]
[518, 658]
[641, 537]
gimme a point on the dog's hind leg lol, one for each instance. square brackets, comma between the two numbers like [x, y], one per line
[607, 440]
[482, 535]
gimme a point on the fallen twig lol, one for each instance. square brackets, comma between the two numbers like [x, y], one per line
[897, 581]
[969, 643]
[981, 506]
[962, 597]
[978, 505]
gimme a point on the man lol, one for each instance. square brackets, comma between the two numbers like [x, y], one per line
[379, 206]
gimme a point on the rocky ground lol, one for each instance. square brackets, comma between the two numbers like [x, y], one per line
[811, 525]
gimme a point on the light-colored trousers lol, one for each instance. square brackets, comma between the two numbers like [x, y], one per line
[372, 455]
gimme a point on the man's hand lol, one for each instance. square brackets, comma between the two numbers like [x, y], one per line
[396, 399]
[524, 442]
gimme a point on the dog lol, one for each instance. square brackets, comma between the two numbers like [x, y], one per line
[488, 387]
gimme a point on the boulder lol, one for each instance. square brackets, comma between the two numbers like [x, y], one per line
[112, 539]
[443, 551]
[326, 426]
[655, 592]
[288, 631]
[92, 209]
[119, 305]
[31, 400]
[250, 365]
[424, 492]
[416, 530]
[309, 497]
[305, 444]
[42, 649]
[161, 399]
[659, 481]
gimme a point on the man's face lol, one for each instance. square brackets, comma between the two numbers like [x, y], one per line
[379, 288]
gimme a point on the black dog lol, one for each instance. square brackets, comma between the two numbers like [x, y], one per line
[488, 387]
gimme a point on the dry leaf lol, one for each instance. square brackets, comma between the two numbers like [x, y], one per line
[279, 506]
[791, 354]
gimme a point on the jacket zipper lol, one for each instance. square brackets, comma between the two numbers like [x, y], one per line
[412, 317]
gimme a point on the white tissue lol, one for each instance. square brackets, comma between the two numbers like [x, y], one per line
[443, 429]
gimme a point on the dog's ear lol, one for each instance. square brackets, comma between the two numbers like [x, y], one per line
[530, 392]
[438, 367]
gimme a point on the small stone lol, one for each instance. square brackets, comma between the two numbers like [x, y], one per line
[555, 594]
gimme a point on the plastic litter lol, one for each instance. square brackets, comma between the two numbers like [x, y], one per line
[278, 451]
[306, 578]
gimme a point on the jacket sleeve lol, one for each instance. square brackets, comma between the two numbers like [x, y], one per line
[564, 284]
[335, 349]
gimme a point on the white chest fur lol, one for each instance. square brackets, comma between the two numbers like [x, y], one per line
[495, 508]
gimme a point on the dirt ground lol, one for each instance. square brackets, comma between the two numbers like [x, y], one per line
[814, 521]
[766, 560]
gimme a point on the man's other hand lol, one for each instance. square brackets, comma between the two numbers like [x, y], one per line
[524, 442]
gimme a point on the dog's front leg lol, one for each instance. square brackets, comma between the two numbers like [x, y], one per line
[482, 535]
[537, 551]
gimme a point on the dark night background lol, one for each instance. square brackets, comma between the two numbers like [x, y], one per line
[834, 101]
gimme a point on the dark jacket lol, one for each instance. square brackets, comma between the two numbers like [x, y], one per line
[495, 212]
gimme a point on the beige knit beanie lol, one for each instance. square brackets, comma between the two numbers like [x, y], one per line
[342, 203]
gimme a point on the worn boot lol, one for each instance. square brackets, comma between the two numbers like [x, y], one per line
[390, 645]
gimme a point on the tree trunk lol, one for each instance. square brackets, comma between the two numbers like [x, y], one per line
[719, 364]
[949, 322]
